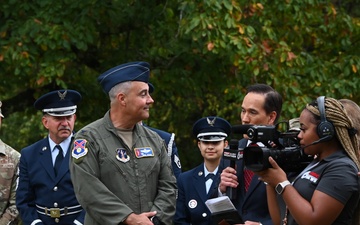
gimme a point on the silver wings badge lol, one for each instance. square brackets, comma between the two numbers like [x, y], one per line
[211, 122]
[63, 95]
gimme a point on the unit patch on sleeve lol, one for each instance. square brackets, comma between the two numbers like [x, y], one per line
[79, 150]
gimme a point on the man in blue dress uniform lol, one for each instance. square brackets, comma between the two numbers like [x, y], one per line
[169, 139]
[172, 150]
[45, 195]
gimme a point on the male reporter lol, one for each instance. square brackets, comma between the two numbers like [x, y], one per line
[261, 106]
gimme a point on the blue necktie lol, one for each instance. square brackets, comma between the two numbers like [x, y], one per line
[58, 160]
[209, 176]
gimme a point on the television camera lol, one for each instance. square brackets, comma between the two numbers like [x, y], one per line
[283, 147]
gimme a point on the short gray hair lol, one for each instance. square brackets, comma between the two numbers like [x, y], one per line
[120, 87]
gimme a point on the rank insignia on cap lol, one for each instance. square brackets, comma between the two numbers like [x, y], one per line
[121, 155]
[62, 95]
[212, 128]
[144, 152]
[211, 122]
[59, 102]
[79, 149]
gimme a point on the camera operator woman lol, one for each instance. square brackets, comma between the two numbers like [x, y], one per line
[327, 191]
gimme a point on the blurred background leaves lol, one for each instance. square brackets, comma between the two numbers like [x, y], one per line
[203, 55]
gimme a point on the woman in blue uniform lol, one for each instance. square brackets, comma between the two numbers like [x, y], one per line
[201, 183]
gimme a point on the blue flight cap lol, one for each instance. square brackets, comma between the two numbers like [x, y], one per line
[132, 71]
[211, 128]
[151, 87]
[58, 103]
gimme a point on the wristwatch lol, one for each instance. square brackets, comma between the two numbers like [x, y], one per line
[281, 186]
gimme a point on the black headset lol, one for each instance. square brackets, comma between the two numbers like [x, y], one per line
[325, 129]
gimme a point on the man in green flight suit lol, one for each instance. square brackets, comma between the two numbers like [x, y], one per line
[120, 169]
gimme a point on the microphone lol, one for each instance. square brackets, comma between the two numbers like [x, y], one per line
[240, 129]
[317, 142]
[234, 146]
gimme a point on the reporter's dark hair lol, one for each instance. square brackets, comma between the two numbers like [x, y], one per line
[273, 100]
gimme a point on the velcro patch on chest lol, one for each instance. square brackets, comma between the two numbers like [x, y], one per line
[143, 152]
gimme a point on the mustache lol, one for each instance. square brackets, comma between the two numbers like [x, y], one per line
[64, 128]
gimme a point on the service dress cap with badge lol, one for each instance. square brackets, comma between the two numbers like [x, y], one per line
[2, 116]
[211, 128]
[132, 71]
[58, 103]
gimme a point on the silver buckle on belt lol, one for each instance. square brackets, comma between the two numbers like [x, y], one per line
[54, 212]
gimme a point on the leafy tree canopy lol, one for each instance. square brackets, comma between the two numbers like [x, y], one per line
[203, 55]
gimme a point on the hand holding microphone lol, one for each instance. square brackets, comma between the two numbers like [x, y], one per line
[232, 155]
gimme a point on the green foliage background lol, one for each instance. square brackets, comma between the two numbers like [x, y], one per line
[203, 54]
